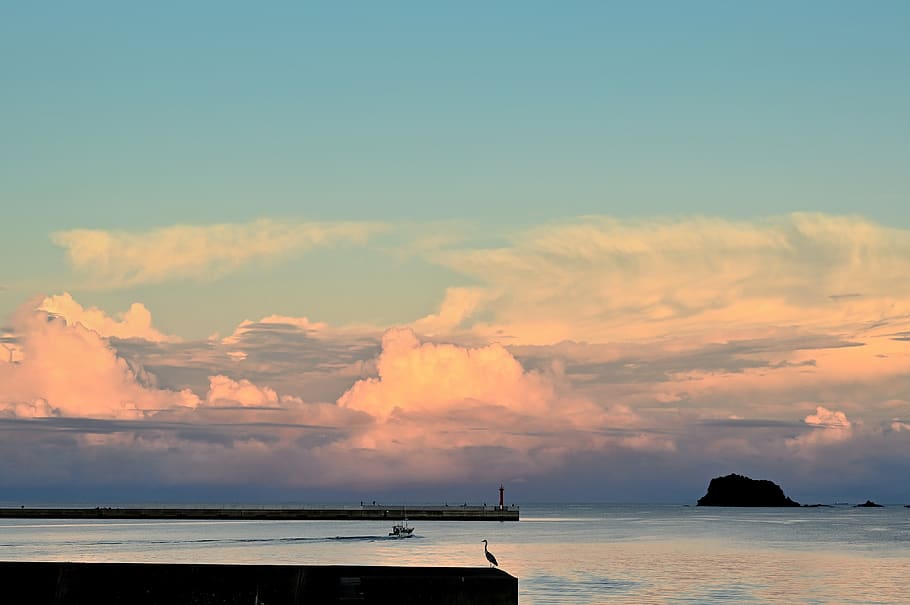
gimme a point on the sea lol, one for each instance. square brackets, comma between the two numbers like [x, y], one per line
[561, 553]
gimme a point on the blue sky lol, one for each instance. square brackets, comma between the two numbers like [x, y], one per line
[129, 115]
[654, 175]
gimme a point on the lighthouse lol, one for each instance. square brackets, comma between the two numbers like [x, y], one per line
[501, 490]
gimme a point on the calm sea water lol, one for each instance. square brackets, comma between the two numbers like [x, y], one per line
[566, 554]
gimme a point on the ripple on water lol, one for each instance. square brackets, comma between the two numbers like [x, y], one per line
[573, 590]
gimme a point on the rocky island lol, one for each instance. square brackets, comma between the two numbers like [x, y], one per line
[868, 504]
[738, 490]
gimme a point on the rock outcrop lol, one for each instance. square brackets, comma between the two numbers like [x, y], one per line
[738, 490]
[869, 504]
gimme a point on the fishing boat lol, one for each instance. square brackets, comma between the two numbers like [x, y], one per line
[401, 530]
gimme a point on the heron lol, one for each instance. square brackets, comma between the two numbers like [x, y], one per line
[489, 555]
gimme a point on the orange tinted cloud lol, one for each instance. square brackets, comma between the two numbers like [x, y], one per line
[432, 402]
[829, 426]
[69, 370]
[415, 376]
[300, 323]
[451, 402]
[458, 305]
[600, 279]
[119, 258]
[696, 339]
[224, 390]
[828, 419]
[135, 323]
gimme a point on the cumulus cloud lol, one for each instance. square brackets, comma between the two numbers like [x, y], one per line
[828, 426]
[134, 323]
[435, 403]
[224, 390]
[120, 258]
[69, 370]
[415, 376]
[704, 317]
[297, 355]
[77, 399]
[433, 412]
[685, 343]
[828, 419]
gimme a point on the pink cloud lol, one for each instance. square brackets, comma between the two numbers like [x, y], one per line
[69, 370]
[828, 419]
[432, 402]
[134, 323]
[829, 426]
[224, 390]
[415, 376]
[435, 405]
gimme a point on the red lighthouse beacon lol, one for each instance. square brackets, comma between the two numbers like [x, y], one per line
[501, 489]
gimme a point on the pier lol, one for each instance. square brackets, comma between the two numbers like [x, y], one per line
[367, 512]
[50, 583]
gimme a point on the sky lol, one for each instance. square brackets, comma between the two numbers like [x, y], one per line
[592, 251]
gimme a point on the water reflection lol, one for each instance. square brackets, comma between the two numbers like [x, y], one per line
[573, 555]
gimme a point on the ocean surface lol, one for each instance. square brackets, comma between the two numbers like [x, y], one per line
[566, 554]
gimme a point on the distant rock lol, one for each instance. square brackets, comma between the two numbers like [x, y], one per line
[738, 490]
[868, 504]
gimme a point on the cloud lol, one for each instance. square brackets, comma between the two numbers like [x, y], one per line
[671, 345]
[69, 370]
[601, 279]
[421, 377]
[135, 323]
[828, 419]
[458, 305]
[296, 355]
[116, 259]
[275, 323]
[74, 398]
[828, 426]
[223, 389]
[436, 404]
[434, 411]
[701, 318]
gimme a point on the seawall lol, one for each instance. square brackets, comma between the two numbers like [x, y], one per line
[363, 513]
[49, 583]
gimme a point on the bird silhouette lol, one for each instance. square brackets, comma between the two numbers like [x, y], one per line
[489, 555]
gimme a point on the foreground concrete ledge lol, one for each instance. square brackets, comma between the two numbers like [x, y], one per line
[50, 583]
[365, 513]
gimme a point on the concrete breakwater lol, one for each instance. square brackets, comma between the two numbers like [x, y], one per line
[354, 513]
[49, 583]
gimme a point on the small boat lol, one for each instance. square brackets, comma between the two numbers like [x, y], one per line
[401, 530]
